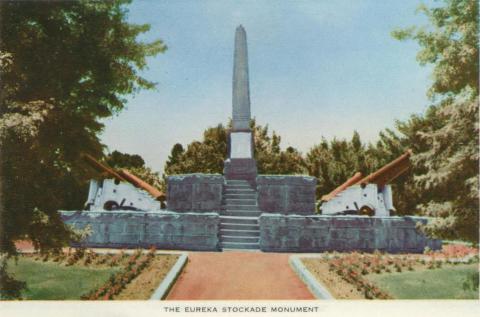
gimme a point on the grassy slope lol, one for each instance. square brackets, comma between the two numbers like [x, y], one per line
[443, 283]
[48, 280]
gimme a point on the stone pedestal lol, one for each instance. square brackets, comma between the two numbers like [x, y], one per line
[241, 164]
[245, 169]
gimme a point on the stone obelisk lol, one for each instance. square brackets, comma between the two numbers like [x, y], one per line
[240, 85]
[240, 163]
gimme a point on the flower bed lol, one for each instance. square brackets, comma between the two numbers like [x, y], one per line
[136, 263]
[353, 267]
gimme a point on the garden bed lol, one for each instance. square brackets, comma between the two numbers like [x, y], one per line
[85, 274]
[143, 286]
[385, 276]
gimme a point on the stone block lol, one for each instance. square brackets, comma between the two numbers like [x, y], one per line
[286, 194]
[163, 229]
[296, 233]
[195, 192]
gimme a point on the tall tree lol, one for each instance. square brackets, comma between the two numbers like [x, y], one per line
[64, 66]
[332, 163]
[208, 155]
[271, 159]
[447, 168]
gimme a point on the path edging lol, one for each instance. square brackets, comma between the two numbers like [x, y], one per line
[162, 290]
[317, 289]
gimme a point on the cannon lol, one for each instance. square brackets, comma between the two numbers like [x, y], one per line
[370, 195]
[120, 190]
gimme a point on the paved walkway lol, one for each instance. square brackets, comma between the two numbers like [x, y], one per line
[238, 275]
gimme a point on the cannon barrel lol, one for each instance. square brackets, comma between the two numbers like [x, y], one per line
[124, 176]
[101, 168]
[138, 182]
[389, 172]
[351, 181]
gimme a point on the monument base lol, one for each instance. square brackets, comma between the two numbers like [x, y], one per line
[244, 169]
[296, 233]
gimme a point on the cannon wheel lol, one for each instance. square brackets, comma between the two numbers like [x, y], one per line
[110, 205]
[367, 211]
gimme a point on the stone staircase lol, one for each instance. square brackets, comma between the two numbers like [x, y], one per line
[239, 228]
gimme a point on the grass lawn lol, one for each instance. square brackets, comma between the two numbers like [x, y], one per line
[49, 280]
[442, 283]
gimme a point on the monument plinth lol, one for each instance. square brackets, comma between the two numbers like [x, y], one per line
[240, 163]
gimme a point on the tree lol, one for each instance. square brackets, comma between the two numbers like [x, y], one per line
[447, 168]
[206, 156]
[332, 163]
[271, 159]
[174, 158]
[135, 164]
[64, 66]
[450, 43]
[118, 159]
[209, 155]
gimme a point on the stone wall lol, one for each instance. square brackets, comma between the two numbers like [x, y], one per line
[163, 229]
[195, 192]
[292, 233]
[286, 194]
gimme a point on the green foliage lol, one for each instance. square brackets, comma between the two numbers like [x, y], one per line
[450, 43]
[136, 165]
[148, 175]
[208, 155]
[451, 177]
[271, 159]
[10, 288]
[446, 163]
[118, 159]
[64, 66]
[332, 163]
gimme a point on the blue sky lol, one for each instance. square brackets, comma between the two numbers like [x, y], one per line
[317, 69]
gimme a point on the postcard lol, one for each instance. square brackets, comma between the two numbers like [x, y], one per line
[239, 157]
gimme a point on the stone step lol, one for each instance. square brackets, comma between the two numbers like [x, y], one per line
[239, 233]
[242, 202]
[242, 213]
[231, 207]
[237, 181]
[239, 191]
[239, 220]
[240, 245]
[241, 196]
[239, 226]
[238, 186]
[224, 239]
